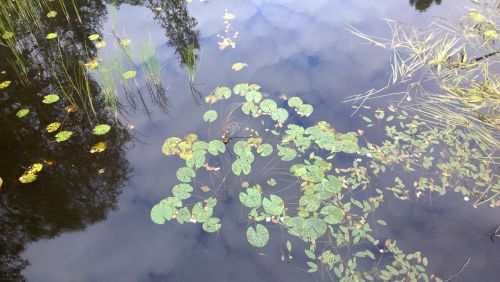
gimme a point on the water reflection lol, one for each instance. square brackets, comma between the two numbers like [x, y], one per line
[76, 188]
[423, 5]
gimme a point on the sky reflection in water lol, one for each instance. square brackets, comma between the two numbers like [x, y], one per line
[291, 47]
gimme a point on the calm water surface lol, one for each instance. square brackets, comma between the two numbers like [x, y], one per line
[76, 224]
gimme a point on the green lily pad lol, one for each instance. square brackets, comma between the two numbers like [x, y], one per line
[7, 35]
[333, 214]
[251, 197]
[210, 116]
[183, 215]
[93, 37]
[51, 14]
[201, 213]
[182, 191]
[129, 74]
[63, 136]
[258, 237]
[5, 84]
[184, 174]
[22, 113]
[50, 99]
[216, 146]
[265, 150]
[51, 35]
[274, 205]
[53, 127]
[101, 129]
[212, 225]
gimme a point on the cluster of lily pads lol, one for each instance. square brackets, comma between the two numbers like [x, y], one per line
[327, 208]
[31, 174]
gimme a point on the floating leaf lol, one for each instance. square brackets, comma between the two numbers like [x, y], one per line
[216, 146]
[271, 182]
[50, 99]
[5, 84]
[98, 147]
[228, 16]
[251, 197]
[7, 35]
[184, 174]
[201, 213]
[51, 35]
[183, 215]
[265, 149]
[286, 153]
[92, 64]
[93, 37]
[63, 136]
[100, 44]
[51, 14]
[170, 146]
[268, 105]
[239, 66]
[334, 215]
[125, 42]
[182, 191]
[280, 115]
[258, 237]
[210, 116]
[101, 129]
[30, 175]
[212, 225]
[129, 74]
[223, 92]
[274, 205]
[22, 113]
[53, 127]
[165, 210]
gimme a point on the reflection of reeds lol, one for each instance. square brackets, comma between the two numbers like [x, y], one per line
[190, 58]
[152, 73]
[458, 60]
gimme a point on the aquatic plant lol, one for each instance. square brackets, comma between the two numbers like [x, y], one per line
[459, 59]
[289, 178]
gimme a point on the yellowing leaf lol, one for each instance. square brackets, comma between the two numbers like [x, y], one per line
[93, 37]
[51, 35]
[22, 113]
[239, 66]
[98, 148]
[129, 74]
[125, 42]
[5, 84]
[100, 44]
[228, 16]
[92, 64]
[51, 14]
[53, 127]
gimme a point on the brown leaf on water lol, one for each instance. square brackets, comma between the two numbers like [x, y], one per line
[1, 182]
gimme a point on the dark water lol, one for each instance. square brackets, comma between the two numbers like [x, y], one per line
[76, 224]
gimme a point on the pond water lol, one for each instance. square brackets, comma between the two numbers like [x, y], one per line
[87, 216]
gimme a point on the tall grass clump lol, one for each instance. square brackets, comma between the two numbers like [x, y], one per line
[448, 70]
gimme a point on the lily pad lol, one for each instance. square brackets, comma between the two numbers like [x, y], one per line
[63, 136]
[258, 237]
[212, 225]
[101, 129]
[51, 14]
[182, 191]
[98, 147]
[5, 84]
[50, 99]
[210, 116]
[7, 35]
[93, 37]
[184, 174]
[22, 113]
[129, 74]
[51, 35]
[53, 127]
[201, 213]
[251, 197]
[274, 205]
